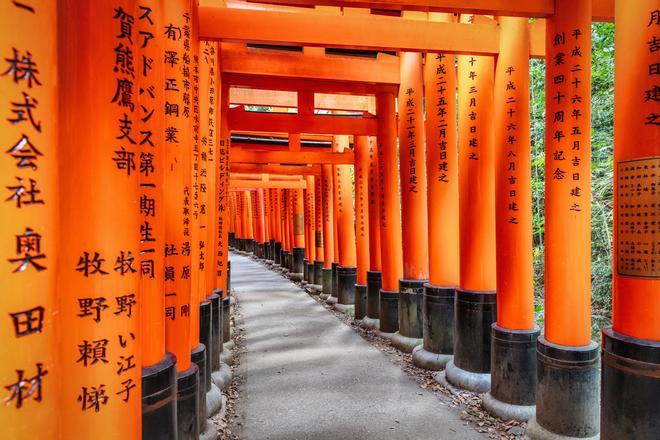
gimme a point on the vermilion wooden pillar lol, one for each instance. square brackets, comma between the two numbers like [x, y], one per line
[390, 214]
[298, 223]
[310, 220]
[328, 229]
[209, 93]
[261, 221]
[475, 299]
[232, 220]
[30, 370]
[181, 308]
[414, 216]
[345, 220]
[374, 274]
[442, 167]
[567, 397]
[277, 228]
[158, 395]
[631, 348]
[513, 376]
[361, 177]
[335, 225]
[99, 242]
[317, 282]
[223, 270]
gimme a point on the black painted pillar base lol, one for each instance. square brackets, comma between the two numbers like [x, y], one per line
[262, 250]
[327, 283]
[475, 312]
[228, 278]
[298, 263]
[438, 328]
[389, 313]
[270, 251]
[226, 320]
[206, 339]
[411, 295]
[216, 328]
[277, 252]
[305, 272]
[372, 312]
[159, 400]
[311, 276]
[286, 261]
[630, 405]
[335, 284]
[198, 357]
[346, 277]
[512, 393]
[360, 301]
[567, 394]
[318, 272]
[187, 403]
[231, 239]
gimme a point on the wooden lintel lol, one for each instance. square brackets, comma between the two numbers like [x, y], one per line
[346, 31]
[258, 81]
[252, 184]
[237, 155]
[279, 98]
[284, 170]
[239, 119]
[603, 10]
[239, 59]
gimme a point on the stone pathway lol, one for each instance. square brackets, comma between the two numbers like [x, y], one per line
[309, 376]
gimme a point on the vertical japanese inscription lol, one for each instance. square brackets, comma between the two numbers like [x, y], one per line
[177, 109]
[151, 173]
[28, 161]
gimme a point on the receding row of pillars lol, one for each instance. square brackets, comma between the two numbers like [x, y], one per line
[115, 165]
[435, 251]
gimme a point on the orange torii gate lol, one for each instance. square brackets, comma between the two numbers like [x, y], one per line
[147, 146]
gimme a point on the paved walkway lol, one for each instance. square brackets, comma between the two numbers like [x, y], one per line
[309, 376]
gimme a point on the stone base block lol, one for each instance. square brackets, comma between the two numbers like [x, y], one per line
[213, 401]
[429, 360]
[405, 343]
[467, 380]
[222, 377]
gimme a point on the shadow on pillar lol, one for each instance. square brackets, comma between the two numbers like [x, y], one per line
[567, 394]
[512, 393]
[475, 312]
[411, 295]
[630, 406]
[438, 328]
[346, 277]
[389, 313]
[159, 414]
[187, 404]
[372, 313]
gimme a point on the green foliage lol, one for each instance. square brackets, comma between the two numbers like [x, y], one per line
[602, 134]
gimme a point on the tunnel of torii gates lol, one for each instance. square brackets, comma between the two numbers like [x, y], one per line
[133, 157]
